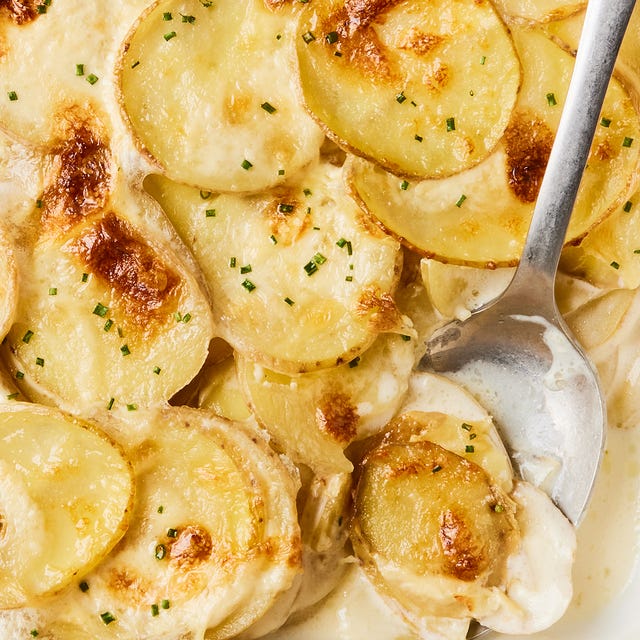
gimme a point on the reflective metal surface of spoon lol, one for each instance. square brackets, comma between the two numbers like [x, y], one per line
[515, 354]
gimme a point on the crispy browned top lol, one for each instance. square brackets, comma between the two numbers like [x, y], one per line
[336, 416]
[528, 143]
[192, 545]
[381, 309]
[113, 251]
[80, 176]
[20, 11]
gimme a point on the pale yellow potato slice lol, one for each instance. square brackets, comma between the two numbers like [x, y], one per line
[39, 63]
[609, 255]
[423, 88]
[214, 540]
[480, 217]
[66, 493]
[210, 94]
[539, 10]
[220, 391]
[8, 282]
[312, 417]
[297, 280]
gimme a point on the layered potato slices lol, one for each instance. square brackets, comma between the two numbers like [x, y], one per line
[226, 230]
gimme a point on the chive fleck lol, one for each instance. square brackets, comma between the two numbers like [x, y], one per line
[289, 301]
[269, 108]
[41, 9]
[160, 509]
[636, 251]
[285, 208]
[355, 362]
[451, 123]
[27, 336]
[85, 277]
[627, 142]
[92, 78]
[167, 15]
[132, 406]
[418, 138]
[400, 97]
[79, 69]
[341, 243]
[100, 310]
[157, 370]
[466, 426]
[319, 258]
[186, 318]
[155, 610]
[498, 508]
[170, 35]
[205, 195]
[404, 185]
[436, 468]
[53, 291]
[210, 213]
[135, 64]
[311, 267]
[84, 586]
[483, 60]
[188, 19]
[19, 375]
[246, 165]
[460, 200]
[348, 279]
[615, 265]
[248, 285]
[165, 604]
[469, 448]
[308, 37]
[34, 633]
[332, 37]
[405, 337]
[605, 122]
[245, 269]
[551, 99]
[12, 396]
[160, 552]
[172, 533]
[273, 239]
[13, 96]
[125, 350]
[627, 206]
[108, 324]
[232, 263]
[110, 404]
[107, 617]
[40, 361]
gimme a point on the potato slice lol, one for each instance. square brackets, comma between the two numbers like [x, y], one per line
[312, 417]
[480, 217]
[221, 393]
[539, 10]
[214, 539]
[424, 89]
[8, 283]
[432, 529]
[66, 493]
[210, 94]
[297, 263]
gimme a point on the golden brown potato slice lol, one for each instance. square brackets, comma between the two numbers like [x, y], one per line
[297, 280]
[66, 493]
[209, 92]
[214, 540]
[313, 416]
[423, 88]
[433, 530]
[539, 10]
[480, 217]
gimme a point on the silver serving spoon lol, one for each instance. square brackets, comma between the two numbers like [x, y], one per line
[515, 354]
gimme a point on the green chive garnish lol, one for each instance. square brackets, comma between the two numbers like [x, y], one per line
[107, 617]
[269, 108]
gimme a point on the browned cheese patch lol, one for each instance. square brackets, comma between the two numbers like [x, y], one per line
[118, 256]
[420, 42]
[286, 217]
[192, 546]
[528, 143]
[463, 554]
[80, 175]
[337, 416]
[132, 586]
[380, 308]
[20, 11]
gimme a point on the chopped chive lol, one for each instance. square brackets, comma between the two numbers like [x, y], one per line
[12, 95]
[311, 267]
[107, 617]
[332, 37]
[404, 185]
[308, 37]
[341, 243]
[248, 285]
[400, 97]
[165, 604]
[186, 318]
[498, 508]
[160, 509]
[273, 239]
[92, 78]
[210, 213]
[246, 165]
[418, 138]
[483, 59]
[42, 9]
[135, 64]
[285, 208]
[172, 533]
[40, 361]
[38, 203]
[348, 279]
[232, 263]
[100, 310]
[627, 206]
[79, 69]
[85, 277]
[436, 469]
[84, 586]
[405, 337]
[473, 436]
[125, 350]
[53, 291]
[469, 448]
[155, 610]
[167, 15]
[355, 362]
[188, 19]
[27, 336]
[551, 99]
[615, 265]
[132, 407]
[451, 123]
[627, 142]
[12, 396]
[170, 35]
[466, 426]
[160, 552]
[289, 301]
[108, 324]
[34, 633]
[269, 108]
[636, 251]
[157, 370]
[460, 200]
[245, 269]
[110, 404]
[205, 195]
[605, 122]
[19, 375]
[280, 172]
[319, 258]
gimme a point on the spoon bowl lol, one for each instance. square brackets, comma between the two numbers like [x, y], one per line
[516, 354]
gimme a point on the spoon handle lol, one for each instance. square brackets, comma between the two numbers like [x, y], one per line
[604, 26]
